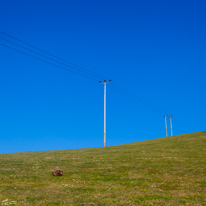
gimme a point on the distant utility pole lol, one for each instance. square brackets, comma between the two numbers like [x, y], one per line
[170, 122]
[105, 82]
[165, 116]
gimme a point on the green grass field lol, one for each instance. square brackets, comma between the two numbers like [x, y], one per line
[164, 171]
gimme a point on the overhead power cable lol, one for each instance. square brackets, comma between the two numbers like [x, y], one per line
[180, 128]
[47, 62]
[133, 100]
[96, 76]
[140, 99]
[86, 73]
[137, 99]
[100, 76]
[132, 97]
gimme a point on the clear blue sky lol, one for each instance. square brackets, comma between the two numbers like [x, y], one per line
[154, 49]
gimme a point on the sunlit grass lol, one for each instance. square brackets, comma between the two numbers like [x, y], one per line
[165, 171]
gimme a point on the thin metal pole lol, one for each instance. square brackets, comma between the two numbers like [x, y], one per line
[171, 124]
[105, 114]
[165, 116]
[105, 82]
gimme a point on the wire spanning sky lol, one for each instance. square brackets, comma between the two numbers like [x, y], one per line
[53, 55]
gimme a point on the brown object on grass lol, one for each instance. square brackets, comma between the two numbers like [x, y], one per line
[57, 171]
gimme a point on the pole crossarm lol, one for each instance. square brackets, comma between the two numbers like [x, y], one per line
[104, 82]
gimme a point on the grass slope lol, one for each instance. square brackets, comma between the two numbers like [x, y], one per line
[165, 171]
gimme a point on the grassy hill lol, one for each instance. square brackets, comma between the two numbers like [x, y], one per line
[164, 171]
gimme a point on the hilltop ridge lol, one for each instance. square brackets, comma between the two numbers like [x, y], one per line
[163, 171]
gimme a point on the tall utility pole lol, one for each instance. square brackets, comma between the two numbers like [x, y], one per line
[105, 82]
[170, 122]
[165, 116]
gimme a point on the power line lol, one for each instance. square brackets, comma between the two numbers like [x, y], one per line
[143, 102]
[180, 128]
[92, 74]
[140, 99]
[134, 101]
[52, 55]
[151, 109]
[89, 74]
[47, 62]
[96, 76]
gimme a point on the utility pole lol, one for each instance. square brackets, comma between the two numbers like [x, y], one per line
[165, 116]
[170, 122]
[105, 82]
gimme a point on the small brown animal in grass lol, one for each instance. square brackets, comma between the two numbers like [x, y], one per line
[57, 171]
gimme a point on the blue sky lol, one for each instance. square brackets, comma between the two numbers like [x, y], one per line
[154, 49]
